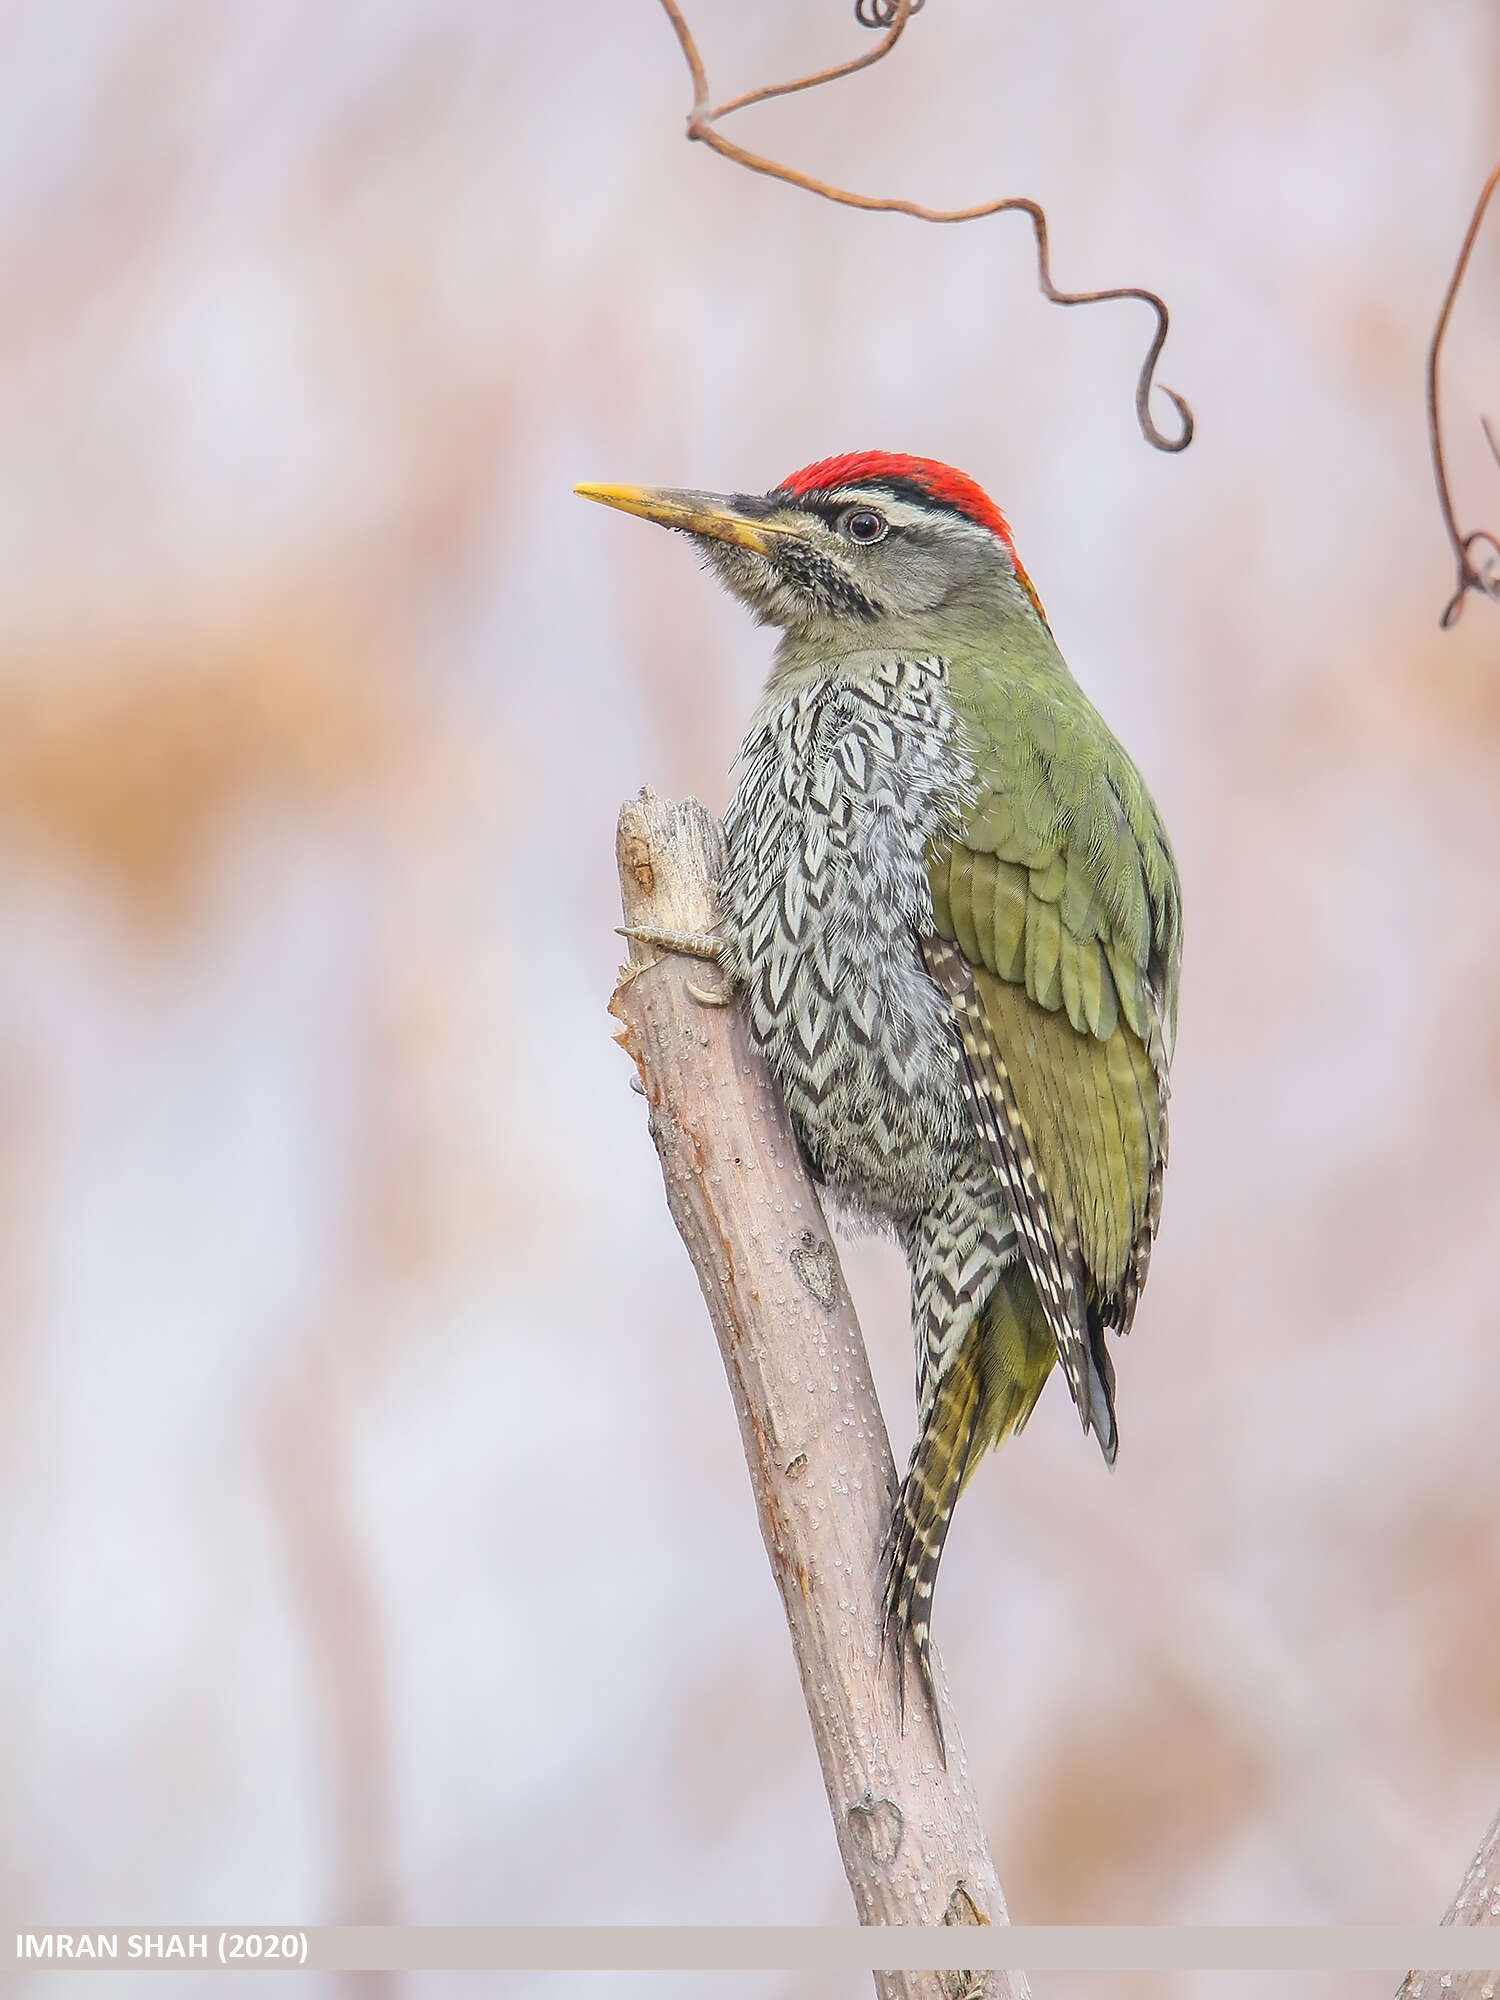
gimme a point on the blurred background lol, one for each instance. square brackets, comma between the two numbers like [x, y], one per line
[376, 1543]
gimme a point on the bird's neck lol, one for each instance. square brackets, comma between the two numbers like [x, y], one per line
[989, 632]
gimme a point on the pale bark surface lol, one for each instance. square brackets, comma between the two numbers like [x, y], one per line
[909, 1830]
[1477, 1902]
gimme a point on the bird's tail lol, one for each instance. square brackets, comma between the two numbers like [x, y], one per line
[989, 1390]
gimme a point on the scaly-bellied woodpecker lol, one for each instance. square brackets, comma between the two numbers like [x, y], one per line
[951, 914]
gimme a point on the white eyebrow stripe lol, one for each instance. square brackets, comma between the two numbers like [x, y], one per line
[903, 513]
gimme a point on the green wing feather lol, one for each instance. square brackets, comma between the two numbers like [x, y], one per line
[1062, 897]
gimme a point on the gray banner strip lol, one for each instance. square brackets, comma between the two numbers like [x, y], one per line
[768, 1948]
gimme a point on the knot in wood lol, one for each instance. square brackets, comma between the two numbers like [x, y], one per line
[878, 1825]
[962, 1908]
[636, 855]
[812, 1260]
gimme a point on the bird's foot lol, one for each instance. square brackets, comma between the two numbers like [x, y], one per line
[690, 944]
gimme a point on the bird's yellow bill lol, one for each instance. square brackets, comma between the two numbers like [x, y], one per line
[694, 513]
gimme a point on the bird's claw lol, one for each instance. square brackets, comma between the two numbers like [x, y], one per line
[690, 944]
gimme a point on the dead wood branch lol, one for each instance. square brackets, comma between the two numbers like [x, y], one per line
[1477, 1902]
[1471, 576]
[909, 1831]
[893, 15]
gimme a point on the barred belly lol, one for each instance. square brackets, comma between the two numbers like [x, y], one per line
[824, 897]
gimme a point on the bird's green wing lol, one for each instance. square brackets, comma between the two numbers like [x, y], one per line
[1058, 940]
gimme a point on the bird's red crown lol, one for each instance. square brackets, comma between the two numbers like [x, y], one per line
[939, 482]
[944, 484]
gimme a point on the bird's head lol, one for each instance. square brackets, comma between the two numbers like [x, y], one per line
[852, 541]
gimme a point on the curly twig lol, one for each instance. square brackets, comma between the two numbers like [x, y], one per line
[892, 16]
[1470, 576]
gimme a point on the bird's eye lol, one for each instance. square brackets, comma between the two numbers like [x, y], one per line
[863, 524]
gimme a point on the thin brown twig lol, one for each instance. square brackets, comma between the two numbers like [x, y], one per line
[892, 16]
[1470, 576]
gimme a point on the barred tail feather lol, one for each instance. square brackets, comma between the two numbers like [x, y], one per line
[919, 1521]
[1102, 1388]
[989, 1390]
